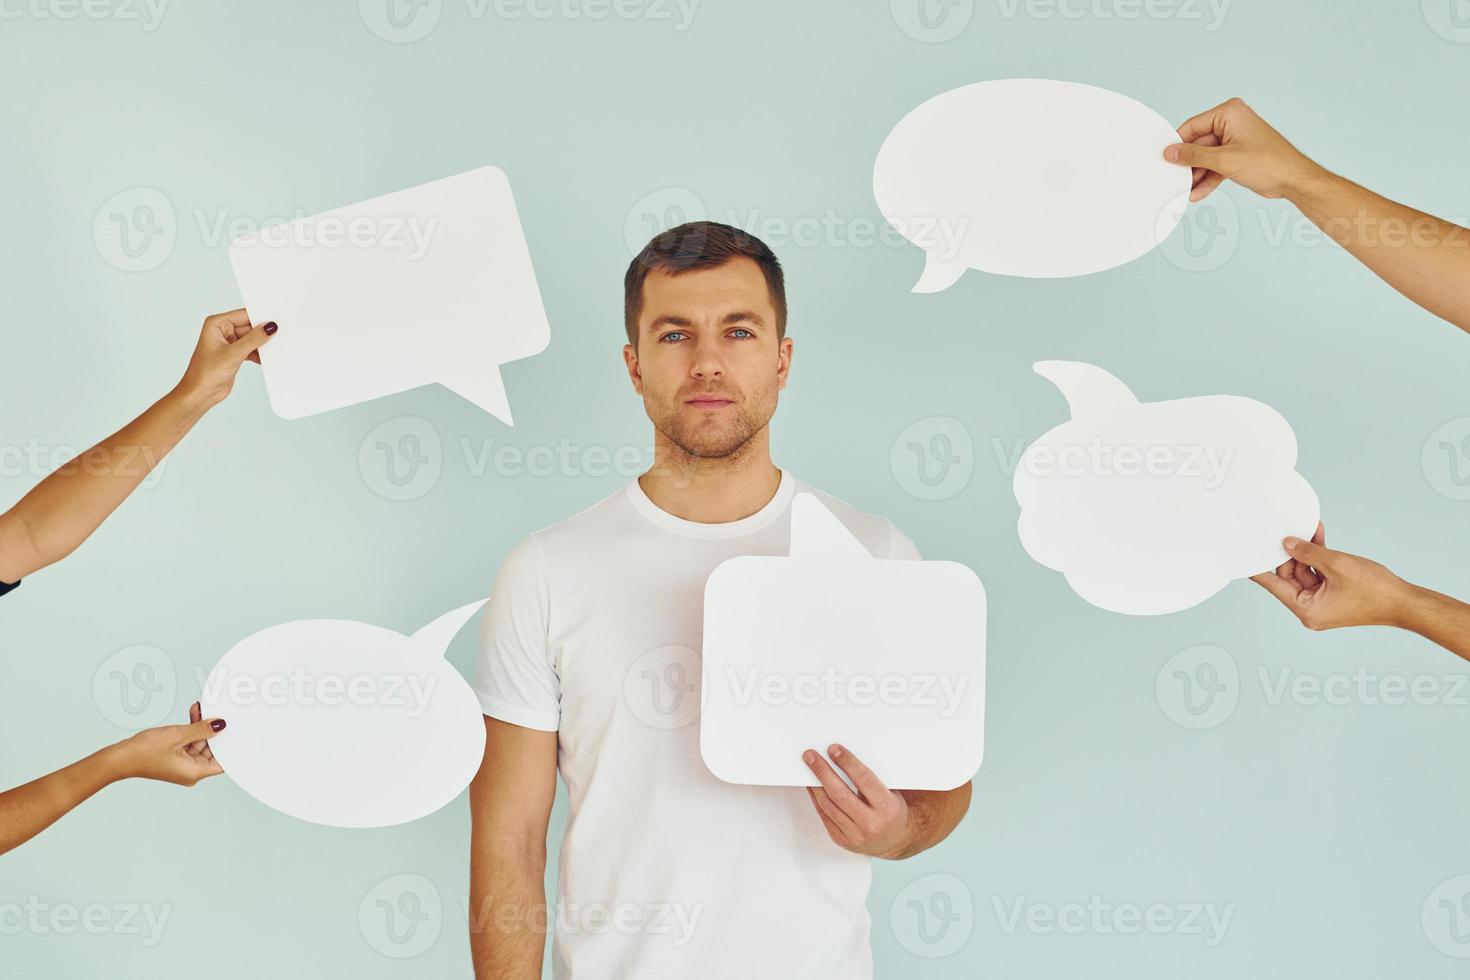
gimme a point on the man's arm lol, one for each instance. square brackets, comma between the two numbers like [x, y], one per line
[1326, 589]
[64, 509]
[876, 820]
[510, 806]
[1424, 257]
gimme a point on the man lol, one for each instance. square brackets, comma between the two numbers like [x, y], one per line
[62, 511]
[1423, 257]
[666, 871]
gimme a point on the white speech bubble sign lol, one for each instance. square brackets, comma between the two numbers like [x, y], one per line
[346, 724]
[1029, 177]
[1153, 507]
[430, 284]
[885, 657]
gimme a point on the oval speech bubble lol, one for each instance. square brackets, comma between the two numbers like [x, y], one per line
[1029, 177]
[345, 724]
[1153, 507]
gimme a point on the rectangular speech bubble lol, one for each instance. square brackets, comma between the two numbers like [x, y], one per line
[886, 657]
[430, 284]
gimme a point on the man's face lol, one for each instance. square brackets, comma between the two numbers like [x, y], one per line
[707, 362]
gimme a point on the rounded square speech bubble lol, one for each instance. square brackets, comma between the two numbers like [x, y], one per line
[886, 657]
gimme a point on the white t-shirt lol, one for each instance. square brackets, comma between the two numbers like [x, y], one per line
[593, 631]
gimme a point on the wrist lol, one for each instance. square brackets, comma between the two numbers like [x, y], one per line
[113, 763]
[187, 400]
[1409, 606]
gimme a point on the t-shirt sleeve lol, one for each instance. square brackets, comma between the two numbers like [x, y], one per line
[901, 545]
[515, 678]
[7, 586]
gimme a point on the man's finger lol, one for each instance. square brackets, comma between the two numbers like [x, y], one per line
[847, 801]
[1282, 588]
[831, 814]
[1195, 155]
[862, 777]
[1209, 122]
[1310, 553]
[1206, 187]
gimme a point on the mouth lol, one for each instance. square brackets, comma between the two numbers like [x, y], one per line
[709, 402]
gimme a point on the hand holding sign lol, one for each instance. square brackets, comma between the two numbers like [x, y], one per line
[834, 645]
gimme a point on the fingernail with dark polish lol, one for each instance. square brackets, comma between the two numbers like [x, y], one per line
[270, 328]
[218, 724]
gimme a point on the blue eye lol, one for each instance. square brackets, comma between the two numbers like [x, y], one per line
[672, 334]
[742, 330]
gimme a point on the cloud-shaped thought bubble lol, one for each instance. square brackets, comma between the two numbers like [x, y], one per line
[1029, 177]
[830, 644]
[346, 724]
[429, 284]
[1153, 507]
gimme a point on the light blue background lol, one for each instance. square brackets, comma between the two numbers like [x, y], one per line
[1325, 827]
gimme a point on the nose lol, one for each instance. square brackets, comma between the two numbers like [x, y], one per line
[708, 362]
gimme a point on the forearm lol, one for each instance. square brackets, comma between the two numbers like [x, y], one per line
[27, 810]
[1425, 258]
[1438, 618]
[508, 914]
[933, 814]
[64, 509]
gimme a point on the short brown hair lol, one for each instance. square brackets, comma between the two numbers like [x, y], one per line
[699, 245]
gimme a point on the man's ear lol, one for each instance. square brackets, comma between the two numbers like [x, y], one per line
[630, 358]
[783, 362]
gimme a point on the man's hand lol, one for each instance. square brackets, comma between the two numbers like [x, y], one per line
[873, 821]
[226, 342]
[1231, 142]
[1326, 589]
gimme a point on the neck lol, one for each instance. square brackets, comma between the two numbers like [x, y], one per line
[707, 490]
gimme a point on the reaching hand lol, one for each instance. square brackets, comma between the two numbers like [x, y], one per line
[1231, 142]
[1326, 589]
[174, 753]
[872, 821]
[226, 342]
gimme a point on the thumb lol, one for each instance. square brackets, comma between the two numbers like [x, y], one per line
[1195, 155]
[1316, 555]
[253, 341]
[200, 731]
